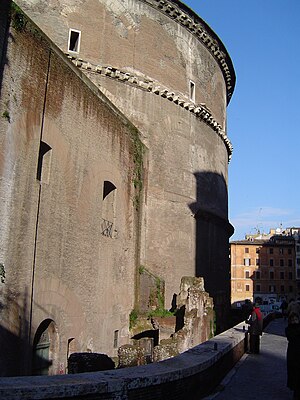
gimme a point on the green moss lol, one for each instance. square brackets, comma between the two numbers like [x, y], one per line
[6, 115]
[161, 312]
[156, 302]
[18, 17]
[133, 317]
[142, 269]
[160, 294]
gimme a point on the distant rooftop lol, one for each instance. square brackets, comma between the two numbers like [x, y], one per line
[274, 234]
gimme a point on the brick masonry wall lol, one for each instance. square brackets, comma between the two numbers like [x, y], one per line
[187, 158]
[58, 264]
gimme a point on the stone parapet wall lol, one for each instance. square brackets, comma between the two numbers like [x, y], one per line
[190, 375]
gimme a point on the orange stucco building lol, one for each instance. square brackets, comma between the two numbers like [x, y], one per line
[262, 268]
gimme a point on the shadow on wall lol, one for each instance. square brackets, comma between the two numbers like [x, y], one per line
[18, 356]
[14, 324]
[4, 25]
[213, 231]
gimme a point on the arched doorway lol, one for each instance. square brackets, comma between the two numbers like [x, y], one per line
[45, 349]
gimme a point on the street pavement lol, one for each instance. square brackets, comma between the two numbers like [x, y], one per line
[259, 376]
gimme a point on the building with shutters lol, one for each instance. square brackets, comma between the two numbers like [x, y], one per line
[263, 268]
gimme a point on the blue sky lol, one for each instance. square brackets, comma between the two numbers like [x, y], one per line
[263, 40]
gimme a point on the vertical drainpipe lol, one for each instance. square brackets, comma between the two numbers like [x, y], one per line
[37, 213]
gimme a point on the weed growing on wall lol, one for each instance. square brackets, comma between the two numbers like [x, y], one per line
[156, 303]
[6, 115]
[160, 294]
[133, 316]
[141, 269]
[18, 18]
[161, 313]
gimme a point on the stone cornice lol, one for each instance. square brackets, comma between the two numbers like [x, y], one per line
[199, 110]
[183, 15]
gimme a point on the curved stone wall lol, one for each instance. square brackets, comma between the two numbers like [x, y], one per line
[163, 68]
[162, 41]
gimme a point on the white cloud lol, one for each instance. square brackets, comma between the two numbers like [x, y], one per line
[262, 219]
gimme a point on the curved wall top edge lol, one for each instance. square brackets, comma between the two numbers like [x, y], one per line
[197, 26]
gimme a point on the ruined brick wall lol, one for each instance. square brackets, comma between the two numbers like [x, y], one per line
[62, 262]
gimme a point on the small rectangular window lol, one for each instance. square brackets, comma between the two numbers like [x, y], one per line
[290, 262]
[246, 249]
[281, 251]
[281, 262]
[74, 41]
[271, 274]
[247, 288]
[290, 276]
[192, 91]
[281, 275]
[257, 274]
[247, 262]
[271, 250]
[257, 261]
[271, 262]
[247, 274]
[257, 288]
